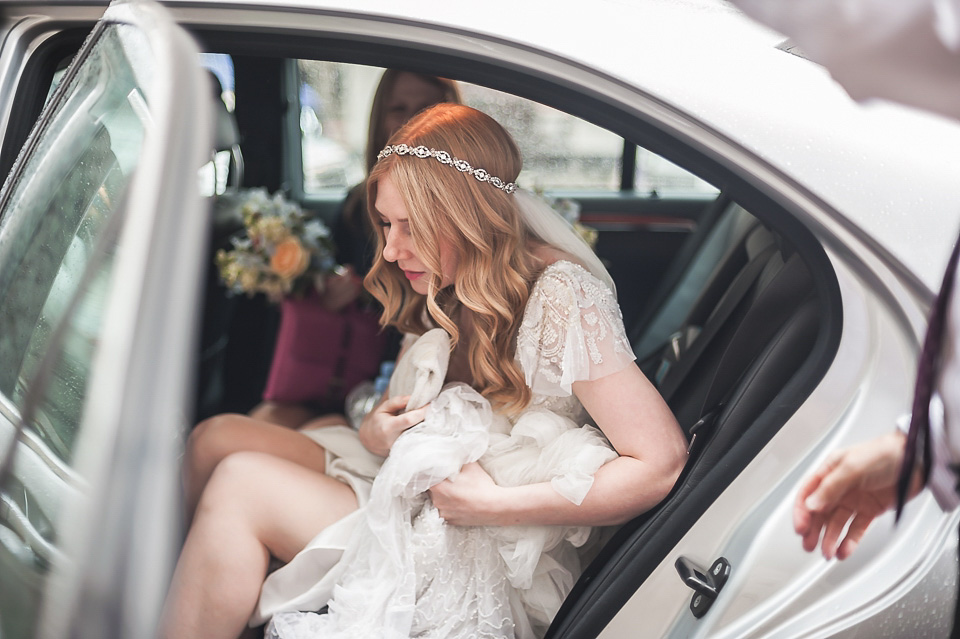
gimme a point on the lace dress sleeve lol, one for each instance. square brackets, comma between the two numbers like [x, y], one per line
[572, 330]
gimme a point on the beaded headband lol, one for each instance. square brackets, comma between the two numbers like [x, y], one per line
[443, 157]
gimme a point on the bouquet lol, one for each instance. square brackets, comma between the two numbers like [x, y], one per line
[283, 252]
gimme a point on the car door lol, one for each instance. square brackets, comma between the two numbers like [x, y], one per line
[102, 230]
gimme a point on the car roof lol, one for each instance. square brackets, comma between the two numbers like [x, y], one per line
[889, 169]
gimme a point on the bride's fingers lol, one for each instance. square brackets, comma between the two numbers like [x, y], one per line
[415, 416]
[394, 405]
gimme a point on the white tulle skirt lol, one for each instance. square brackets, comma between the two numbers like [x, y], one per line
[395, 569]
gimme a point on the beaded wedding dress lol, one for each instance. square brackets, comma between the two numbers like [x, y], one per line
[394, 568]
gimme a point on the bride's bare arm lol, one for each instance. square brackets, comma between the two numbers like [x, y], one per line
[638, 423]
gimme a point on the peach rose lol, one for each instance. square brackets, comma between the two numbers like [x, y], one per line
[289, 259]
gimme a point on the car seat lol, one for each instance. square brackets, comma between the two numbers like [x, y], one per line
[732, 387]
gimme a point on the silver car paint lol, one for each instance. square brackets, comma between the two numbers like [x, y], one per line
[138, 388]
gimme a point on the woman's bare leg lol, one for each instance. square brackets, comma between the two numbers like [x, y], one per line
[222, 435]
[255, 505]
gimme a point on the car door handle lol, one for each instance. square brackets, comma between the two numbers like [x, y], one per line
[706, 584]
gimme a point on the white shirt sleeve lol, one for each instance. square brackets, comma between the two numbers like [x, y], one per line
[902, 50]
[943, 477]
[945, 415]
[945, 412]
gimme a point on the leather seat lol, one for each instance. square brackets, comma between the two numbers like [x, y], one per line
[755, 325]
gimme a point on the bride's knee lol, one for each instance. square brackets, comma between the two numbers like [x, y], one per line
[233, 482]
[211, 441]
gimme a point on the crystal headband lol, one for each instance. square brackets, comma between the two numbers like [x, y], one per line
[443, 157]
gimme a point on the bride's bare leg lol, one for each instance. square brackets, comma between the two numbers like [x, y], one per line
[255, 505]
[217, 437]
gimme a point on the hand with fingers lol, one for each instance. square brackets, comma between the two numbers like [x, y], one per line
[339, 289]
[469, 499]
[855, 486]
[385, 423]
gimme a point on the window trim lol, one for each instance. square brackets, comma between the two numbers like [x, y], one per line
[292, 143]
[55, 46]
[628, 167]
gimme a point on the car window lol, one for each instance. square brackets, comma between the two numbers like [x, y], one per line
[55, 211]
[334, 110]
[214, 174]
[659, 177]
[561, 152]
[57, 77]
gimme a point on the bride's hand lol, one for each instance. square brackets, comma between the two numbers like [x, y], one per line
[381, 427]
[340, 288]
[470, 499]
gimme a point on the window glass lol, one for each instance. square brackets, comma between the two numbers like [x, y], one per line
[335, 104]
[221, 66]
[214, 175]
[52, 221]
[52, 225]
[560, 152]
[662, 178]
[55, 81]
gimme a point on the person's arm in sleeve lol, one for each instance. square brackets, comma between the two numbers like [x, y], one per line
[907, 51]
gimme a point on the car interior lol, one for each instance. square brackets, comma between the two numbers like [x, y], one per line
[731, 305]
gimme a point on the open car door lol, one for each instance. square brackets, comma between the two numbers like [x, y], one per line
[102, 231]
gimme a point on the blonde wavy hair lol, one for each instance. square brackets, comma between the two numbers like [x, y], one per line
[483, 228]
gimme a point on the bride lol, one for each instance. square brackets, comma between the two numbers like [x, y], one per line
[535, 335]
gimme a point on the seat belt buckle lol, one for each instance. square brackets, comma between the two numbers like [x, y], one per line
[707, 418]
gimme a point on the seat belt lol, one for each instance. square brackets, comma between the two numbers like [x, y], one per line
[680, 264]
[730, 300]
